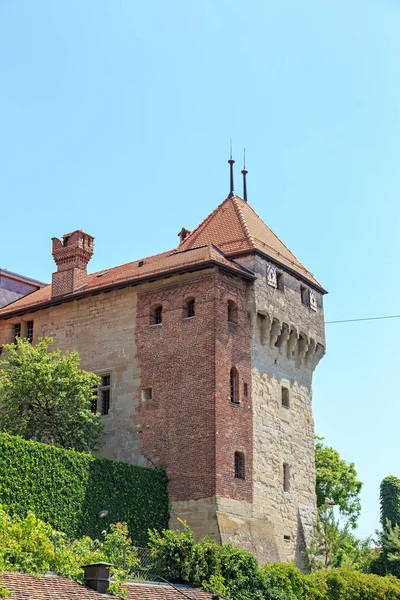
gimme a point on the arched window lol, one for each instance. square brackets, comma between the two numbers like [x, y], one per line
[239, 465]
[232, 311]
[189, 308]
[234, 386]
[156, 315]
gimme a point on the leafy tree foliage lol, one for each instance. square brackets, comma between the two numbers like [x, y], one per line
[336, 480]
[389, 559]
[30, 545]
[46, 397]
[335, 546]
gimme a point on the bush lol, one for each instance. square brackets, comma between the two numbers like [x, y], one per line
[67, 489]
[390, 501]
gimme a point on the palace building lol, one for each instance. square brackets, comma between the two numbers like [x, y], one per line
[206, 354]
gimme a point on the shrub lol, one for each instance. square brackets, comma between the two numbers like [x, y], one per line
[390, 501]
[67, 489]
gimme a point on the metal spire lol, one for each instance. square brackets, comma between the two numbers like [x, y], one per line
[231, 163]
[244, 173]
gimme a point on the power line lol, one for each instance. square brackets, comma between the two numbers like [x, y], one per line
[364, 319]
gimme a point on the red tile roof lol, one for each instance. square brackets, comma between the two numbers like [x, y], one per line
[155, 591]
[235, 228]
[47, 587]
[52, 587]
[164, 263]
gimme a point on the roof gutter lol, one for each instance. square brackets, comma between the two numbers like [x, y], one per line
[246, 274]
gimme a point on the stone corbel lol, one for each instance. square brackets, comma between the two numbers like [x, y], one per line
[276, 328]
[310, 353]
[318, 354]
[283, 338]
[302, 346]
[292, 342]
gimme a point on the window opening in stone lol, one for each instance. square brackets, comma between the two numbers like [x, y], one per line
[239, 465]
[286, 474]
[104, 393]
[234, 386]
[232, 311]
[147, 394]
[29, 331]
[286, 538]
[17, 331]
[285, 397]
[279, 282]
[304, 295]
[156, 315]
[245, 389]
[189, 308]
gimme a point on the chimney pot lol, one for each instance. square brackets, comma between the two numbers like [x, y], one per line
[97, 576]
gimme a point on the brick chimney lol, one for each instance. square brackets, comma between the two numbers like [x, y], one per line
[183, 234]
[71, 254]
[97, 576]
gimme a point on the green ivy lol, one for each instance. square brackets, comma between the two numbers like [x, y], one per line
[67, 489]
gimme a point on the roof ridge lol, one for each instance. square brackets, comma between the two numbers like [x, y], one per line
[195, 231]
[275, 235]
[242, 220]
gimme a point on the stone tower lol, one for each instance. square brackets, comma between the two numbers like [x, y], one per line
[206, 354]
[238, 430]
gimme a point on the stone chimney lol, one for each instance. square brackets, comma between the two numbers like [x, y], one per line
[97, 576]
[71, 254]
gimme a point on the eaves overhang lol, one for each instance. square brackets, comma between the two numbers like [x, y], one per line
[132, 282]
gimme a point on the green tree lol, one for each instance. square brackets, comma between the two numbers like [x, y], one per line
[337, 481]
[390, 501]
[334, 546]
[46, 397]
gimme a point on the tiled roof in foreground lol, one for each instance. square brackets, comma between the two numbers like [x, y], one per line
[52, 587]
[138, 270]
[235, 228]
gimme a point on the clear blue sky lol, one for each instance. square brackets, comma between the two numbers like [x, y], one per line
[116, 117]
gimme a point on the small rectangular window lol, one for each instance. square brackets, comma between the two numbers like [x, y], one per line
[286, 538]
[147, 394]
[245, 389]
[29, 331]
[286, 475]
[17, 331]
[280, 285]
[239, 465]
[304, 295]
[285, 397]
[104, 395]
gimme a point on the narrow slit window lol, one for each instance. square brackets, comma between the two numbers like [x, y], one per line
[232, 312]
[29, 331]
[245, 389]
[280, 285]
[304, 295]
[239, 465]
[189, 308]
[17, 331]
[286, 477]
[156, 315]
[234, 386]
[285, 397]
[105, 394]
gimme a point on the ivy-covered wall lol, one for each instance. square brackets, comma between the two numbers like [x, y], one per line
[67, 489]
